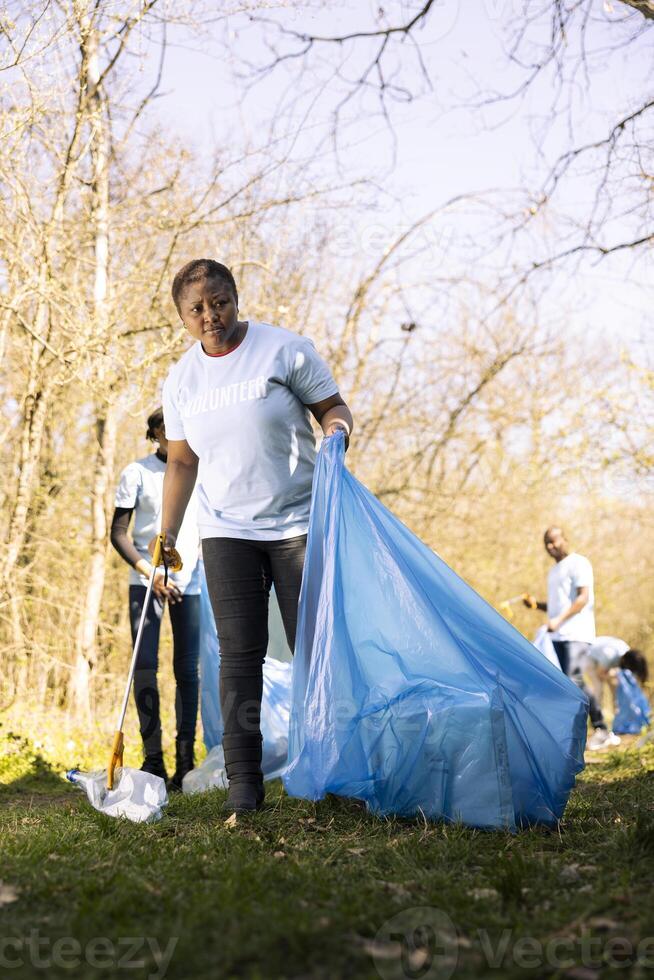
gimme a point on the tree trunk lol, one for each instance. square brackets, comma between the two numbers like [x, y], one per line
[86, 653]
[86, 650]
[35, 406]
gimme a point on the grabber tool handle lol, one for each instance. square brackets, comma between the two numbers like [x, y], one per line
[174, 562]
[116, 758]
[158, 551]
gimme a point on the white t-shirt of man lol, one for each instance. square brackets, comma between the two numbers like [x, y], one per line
[565, 578]
[243, 414]
[606, 651]
[141, 487]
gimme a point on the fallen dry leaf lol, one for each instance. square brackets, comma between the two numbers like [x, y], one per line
[8, 894]
[395, 888]
[231, 821]
[602, 923]
[479, 893]
[380, 950]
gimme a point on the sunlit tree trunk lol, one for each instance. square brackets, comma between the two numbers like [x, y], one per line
[33, 414]
[105, 424]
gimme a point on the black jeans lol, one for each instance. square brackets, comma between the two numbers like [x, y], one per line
[239, 576]
[185, 622]
[571, 654]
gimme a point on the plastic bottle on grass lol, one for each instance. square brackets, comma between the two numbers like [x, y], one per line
[137, 796]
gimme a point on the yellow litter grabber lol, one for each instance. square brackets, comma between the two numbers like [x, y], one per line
[172, 563]
[505, 606]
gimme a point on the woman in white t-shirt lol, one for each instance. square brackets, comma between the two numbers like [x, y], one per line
[139, 494]
[237, 409]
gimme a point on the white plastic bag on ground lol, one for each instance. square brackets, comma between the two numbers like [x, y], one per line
[210, 774]
[275, 708]
[137, 796]
[543, 642]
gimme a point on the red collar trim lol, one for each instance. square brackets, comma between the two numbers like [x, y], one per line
[231, 349]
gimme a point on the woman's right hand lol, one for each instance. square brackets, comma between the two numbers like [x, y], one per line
[168, 545]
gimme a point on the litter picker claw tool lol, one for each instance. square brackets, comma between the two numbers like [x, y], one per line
[505, 606]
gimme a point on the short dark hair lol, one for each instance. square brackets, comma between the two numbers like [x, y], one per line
[155, 419]
[634, 661]
[199, 269]
[551, 529]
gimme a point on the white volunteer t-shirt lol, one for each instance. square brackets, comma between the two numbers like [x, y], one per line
[244, 416]
[141, 487]
[565, 577]
[607, 650]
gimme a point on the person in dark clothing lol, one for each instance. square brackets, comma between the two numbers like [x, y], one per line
[139, 495]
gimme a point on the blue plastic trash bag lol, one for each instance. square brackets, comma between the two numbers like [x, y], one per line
[543, 642]
[633, 712]
[409, 691]
[138, 796]
[212, 722]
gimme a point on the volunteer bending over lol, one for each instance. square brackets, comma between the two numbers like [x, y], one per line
[236, 408]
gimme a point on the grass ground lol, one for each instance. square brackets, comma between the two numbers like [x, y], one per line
[322, 891]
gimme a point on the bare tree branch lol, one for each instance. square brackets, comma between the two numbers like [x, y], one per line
[645, 7]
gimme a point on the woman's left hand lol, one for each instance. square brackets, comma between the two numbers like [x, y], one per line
[164, 591]
[335, 427]
[333, 414]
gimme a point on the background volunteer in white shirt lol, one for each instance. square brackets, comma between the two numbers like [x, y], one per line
[237, 409]
[606, 656]
[570, 609]
[140, 493]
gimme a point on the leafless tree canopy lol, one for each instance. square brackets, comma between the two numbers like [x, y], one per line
[479, 419]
